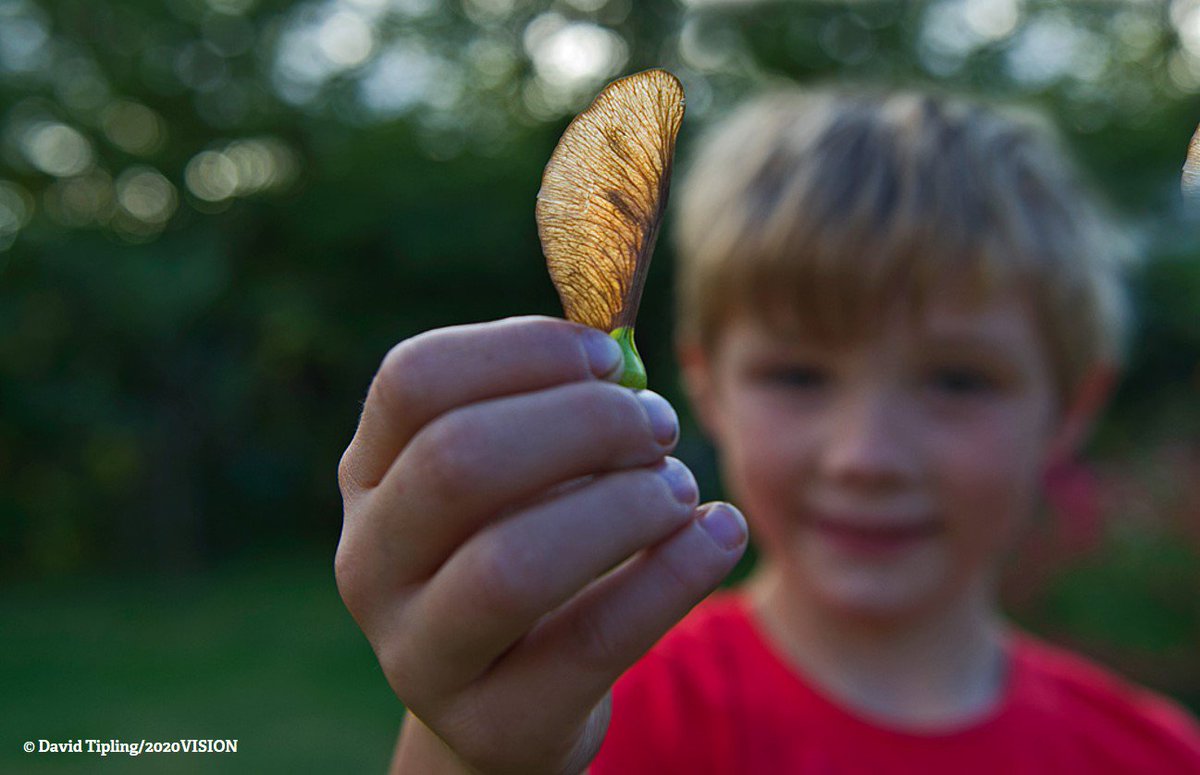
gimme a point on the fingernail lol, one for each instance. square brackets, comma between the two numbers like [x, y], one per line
[725, 525]
[680, 480]
[603, 353]
[663, 420]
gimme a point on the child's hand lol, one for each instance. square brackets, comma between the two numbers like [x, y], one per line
[495, 474]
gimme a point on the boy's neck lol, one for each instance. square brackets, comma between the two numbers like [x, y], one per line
[942, 670]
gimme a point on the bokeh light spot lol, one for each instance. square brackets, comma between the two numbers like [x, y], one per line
[991, 19]
[133, 127]
[1184, 71]
[587, 6]
[241, 168]
[231, 7]
[80, 85]
[145, 194]
[81, 201]
[201, 66]
[211, 176]
[230, 35]
[16, 208]
[846, 38]
[708, 47]
[487, 12]
[1185, 15]
[401, 77]
[1050, 48]
[57, 149]
[414, 9]
[493, 61]
[573, 55]
[346, 39]
[24, 32]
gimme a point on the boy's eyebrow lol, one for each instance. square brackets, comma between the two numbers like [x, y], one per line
[972, 343]
[980, 345]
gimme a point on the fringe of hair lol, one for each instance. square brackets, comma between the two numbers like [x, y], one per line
[819, 208]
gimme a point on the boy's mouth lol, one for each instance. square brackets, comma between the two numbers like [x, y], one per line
[873, 535]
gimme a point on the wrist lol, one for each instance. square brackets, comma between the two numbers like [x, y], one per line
[421, 752]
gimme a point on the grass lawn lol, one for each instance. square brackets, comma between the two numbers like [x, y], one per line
[262, 652]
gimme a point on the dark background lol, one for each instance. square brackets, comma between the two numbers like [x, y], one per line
[216, 216]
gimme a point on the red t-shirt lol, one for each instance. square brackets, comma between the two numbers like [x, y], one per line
[713, 697]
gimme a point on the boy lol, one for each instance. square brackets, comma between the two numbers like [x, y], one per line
[896, 314]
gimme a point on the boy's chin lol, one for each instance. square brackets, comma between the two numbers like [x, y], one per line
[902, 588]
[881, 610]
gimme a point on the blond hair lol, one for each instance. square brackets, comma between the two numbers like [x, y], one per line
[832, 203]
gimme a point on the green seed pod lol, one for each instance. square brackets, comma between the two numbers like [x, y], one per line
[634, 375]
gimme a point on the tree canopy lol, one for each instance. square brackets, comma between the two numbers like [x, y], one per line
[216, 216]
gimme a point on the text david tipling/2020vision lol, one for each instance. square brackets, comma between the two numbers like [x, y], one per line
[83, 745]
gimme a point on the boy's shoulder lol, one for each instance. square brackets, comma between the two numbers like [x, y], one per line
[719, 638]
[1088, 700]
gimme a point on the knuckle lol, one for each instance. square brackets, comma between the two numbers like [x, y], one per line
[348, 575]
[399, 370]
[348, 482]
[509, 578]
[394, 655]
[594, 644]
[448, 453]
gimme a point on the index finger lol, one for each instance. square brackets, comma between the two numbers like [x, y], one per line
[432, 373]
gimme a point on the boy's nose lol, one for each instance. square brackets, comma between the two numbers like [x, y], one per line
[870, 444]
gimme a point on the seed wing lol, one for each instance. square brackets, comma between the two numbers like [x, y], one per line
[603, 194]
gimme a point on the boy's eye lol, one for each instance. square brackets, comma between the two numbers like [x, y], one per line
[795, 376]
[962, 381]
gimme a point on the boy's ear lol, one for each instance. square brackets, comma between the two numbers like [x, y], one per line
[695, 368]
[1079, 414]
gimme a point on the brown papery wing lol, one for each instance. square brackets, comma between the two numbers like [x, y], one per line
[1190, 182]
[603, 195]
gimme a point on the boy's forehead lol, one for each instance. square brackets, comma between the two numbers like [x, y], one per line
[1003, 318]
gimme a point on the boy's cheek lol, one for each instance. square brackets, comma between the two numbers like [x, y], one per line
[765, 494]
[755, 456]
[984, 524]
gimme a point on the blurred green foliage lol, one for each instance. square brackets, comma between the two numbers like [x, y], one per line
[216, 216]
